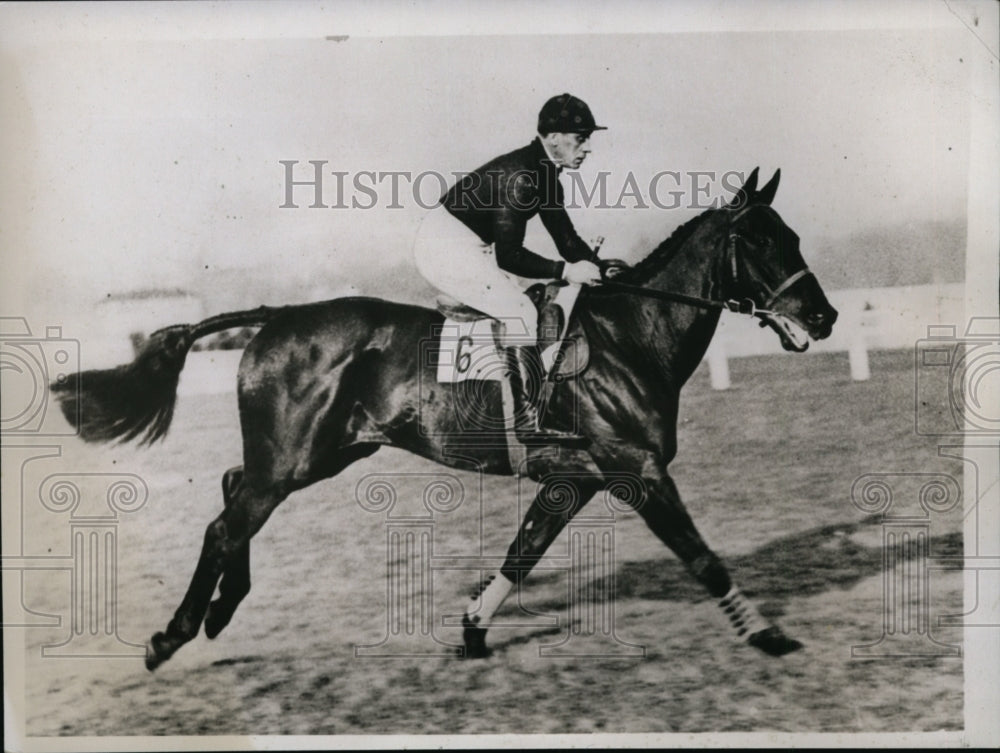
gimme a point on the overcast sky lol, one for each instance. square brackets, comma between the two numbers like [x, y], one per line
[140, 162]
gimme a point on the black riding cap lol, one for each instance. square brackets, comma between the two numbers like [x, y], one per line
[566, 114]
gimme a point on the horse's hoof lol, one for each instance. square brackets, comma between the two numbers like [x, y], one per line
[213, 622]
[153, 657]
[474, 638]
[774, 642]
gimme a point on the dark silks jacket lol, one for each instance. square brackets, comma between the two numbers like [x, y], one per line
[496, 201]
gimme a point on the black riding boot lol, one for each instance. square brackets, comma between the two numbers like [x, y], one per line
[524, 367]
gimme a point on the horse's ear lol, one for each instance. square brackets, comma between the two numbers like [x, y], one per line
[745, 194]
[766, 194]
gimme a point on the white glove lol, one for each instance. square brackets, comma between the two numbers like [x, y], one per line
[582, 273]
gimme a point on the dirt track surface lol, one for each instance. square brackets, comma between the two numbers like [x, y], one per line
[766, 470]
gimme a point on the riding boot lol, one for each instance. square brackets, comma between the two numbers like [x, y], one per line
[524, 368]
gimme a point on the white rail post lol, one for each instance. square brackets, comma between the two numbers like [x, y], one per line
[858, 355]
[718, 366]
[857, 351]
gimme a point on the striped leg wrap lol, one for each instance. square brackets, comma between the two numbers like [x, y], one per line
[743, 615]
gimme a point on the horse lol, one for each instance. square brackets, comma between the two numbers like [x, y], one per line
[323, 385]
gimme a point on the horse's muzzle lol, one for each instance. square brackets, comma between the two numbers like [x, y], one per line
[820, 323]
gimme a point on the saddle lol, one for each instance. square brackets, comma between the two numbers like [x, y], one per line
[469, 337]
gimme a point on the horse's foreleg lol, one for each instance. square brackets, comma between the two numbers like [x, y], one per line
[225, 537]
[553, 507]
[235, 583]
[666, 517]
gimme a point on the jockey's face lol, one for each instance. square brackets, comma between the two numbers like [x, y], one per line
[568, 149]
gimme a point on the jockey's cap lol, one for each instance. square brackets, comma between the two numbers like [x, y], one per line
[565, 113]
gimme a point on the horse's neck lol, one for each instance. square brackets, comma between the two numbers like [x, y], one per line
[679, 334]
[695, 269]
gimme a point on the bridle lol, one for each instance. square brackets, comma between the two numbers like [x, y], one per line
[732, 251]
[744, 306]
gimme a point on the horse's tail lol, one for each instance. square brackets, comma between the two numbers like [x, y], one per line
[138, 398]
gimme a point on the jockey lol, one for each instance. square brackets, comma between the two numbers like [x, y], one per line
[471, 246]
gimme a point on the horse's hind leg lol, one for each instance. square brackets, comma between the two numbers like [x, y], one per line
[225, 537]
[226, 554]
[665, 515]
[235, 583]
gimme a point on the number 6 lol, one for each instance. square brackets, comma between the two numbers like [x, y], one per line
[464, 357]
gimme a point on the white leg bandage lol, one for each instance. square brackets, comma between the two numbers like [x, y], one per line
[488, 601]
[743, 616]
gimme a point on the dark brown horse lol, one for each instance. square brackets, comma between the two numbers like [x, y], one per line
[325, 384]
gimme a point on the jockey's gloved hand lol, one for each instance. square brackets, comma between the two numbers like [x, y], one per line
[582, 273]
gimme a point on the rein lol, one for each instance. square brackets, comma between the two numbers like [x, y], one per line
[745, 306]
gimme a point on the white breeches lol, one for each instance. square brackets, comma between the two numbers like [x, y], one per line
[456, 261]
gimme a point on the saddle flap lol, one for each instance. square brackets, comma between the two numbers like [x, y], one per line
[469, 338]
[571, 358]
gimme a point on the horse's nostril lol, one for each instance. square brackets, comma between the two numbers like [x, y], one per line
[817, 319]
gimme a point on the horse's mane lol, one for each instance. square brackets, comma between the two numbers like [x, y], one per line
[662, 254]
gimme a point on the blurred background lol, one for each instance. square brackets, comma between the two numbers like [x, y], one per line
[144, 181]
